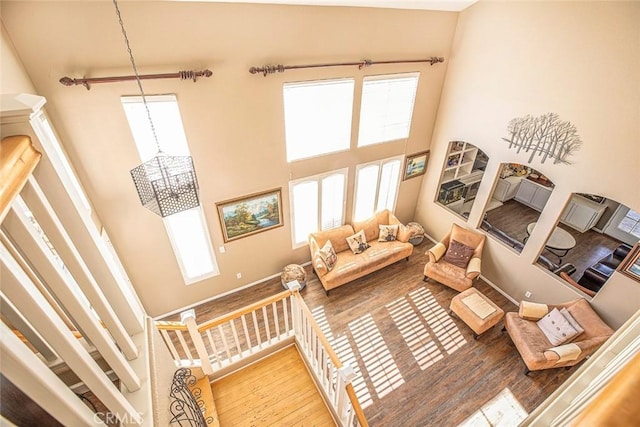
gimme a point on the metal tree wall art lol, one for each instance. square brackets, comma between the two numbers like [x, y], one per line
[546, 135]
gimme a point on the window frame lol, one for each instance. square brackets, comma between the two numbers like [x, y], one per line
[347, 137]
[318, 180]
[409, 120]
[181, 150]
[380, 163]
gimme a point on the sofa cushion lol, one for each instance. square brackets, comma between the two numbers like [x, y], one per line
[328, 255]
[388, 233]
[556, 328]
[532, 310]
[337, 236]
[351, 266]
[573, 322]
[458, 254]
[358, 242]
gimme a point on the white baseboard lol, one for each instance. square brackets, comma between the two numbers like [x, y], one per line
[224, 294]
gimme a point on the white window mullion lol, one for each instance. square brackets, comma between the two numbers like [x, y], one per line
[317, 203]
[376, 187]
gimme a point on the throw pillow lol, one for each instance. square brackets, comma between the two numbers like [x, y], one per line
[328, 255]
[556, 328]
[571, 320]
[358, 242]
[388, 233]
[458, 254]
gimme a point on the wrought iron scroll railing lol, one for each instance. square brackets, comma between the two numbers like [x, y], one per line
[230, 341]
[186, 410]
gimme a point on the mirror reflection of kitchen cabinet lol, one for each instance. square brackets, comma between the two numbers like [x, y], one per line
[583, 212]
[519, 196]
[463, 170]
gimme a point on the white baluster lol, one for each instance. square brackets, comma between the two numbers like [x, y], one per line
[189, 318]
[169, 342]
[345, 376]
[213, 347]
[246, 334]
[184, 345]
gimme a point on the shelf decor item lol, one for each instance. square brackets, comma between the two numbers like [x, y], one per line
[415, 165]
[244, 216]
[630, 266]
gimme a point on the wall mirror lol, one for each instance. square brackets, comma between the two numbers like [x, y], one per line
[521, 193]
[593, 236]
[463, 170]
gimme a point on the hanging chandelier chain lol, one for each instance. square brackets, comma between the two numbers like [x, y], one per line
[135, 71]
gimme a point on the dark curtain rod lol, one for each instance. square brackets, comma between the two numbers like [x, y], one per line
[183, 75]
[272, 69]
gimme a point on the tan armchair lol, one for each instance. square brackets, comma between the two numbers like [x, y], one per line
[455, 277]
[534, 347]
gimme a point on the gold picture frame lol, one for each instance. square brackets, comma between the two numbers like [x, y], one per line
[249, 215]
[630, 266]
[415, 165]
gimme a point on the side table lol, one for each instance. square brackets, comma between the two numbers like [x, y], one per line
[293, 272]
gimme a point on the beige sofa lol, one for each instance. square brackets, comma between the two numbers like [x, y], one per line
[534, 347]
[350, 266]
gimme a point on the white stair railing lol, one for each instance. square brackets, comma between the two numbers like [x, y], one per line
[235, 339]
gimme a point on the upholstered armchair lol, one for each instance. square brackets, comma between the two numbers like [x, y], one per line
[440, 267]
[538, 352]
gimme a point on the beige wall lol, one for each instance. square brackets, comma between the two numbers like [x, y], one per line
[13, 77]
[233, 121]
[578, 59]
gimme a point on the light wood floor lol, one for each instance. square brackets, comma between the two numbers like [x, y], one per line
[417, 365]
[277, 390]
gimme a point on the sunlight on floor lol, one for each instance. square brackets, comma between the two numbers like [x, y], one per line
[415, 334]
[383, 371]
[425, 326]
[438, 320]
[345, 353]
[504, 410]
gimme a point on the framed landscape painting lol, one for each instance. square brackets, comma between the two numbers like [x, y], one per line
[415, 165]
[255, 213]
[630, 266]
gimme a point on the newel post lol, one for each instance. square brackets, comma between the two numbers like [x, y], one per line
[294, 287]
[346, 374]
[189, 318]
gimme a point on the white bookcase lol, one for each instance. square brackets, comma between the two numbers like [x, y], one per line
[459, 160]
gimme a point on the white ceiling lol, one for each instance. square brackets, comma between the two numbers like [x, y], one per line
[447, 5]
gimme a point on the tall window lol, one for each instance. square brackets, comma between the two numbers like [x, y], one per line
[376, 187]
[387, 108]
[317, 117]
[631, 223]
[187, 230]
[317, 203]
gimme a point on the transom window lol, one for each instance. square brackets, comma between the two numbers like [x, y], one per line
[317, 203]
[317, 117]
[376, 187]
[387, 108]
[187, 230]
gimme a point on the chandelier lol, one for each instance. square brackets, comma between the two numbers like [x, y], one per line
[166, 184]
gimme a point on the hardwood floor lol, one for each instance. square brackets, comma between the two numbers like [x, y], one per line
[416, 365]
[512, 218]
[277, 390]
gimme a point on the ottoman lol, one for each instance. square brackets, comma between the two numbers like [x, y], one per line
[476, 310]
